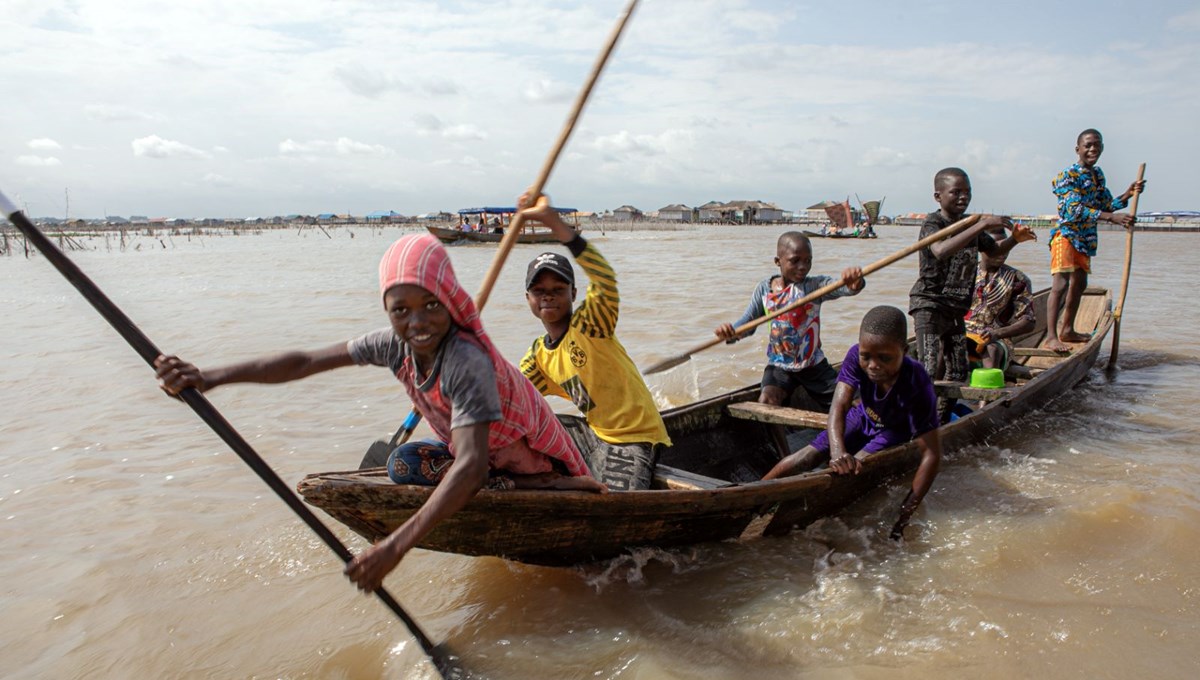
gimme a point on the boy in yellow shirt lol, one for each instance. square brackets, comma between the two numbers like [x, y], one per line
[580, 359]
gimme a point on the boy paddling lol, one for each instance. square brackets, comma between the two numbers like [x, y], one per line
[1083, 201]
[493, 427]
[794, 356]
[580, 358]
[896, 405]
[941, 297]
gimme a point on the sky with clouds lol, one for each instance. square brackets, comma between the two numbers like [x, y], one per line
[244, 108]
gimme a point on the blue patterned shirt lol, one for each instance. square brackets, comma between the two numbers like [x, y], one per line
[795, 342]
[1082, 196]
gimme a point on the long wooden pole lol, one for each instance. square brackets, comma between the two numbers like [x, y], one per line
[1133, 206]
[535, 190]
[951, 230]
[514, 226]
[209, 414]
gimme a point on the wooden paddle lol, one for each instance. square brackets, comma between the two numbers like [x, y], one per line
[209, 414]
[535, 190]
[951, 230]
[1116, 339]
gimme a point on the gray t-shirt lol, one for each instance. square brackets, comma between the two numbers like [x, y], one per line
[468, 378]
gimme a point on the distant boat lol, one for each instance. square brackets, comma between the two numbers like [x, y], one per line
[451, 235]
[842, 224]
[818, 234]
[481, 229]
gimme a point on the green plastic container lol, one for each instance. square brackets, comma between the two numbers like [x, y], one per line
[987, 378]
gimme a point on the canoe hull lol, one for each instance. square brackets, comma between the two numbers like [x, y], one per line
[563, 528]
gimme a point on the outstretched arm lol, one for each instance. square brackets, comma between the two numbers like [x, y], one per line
[175, 374]
[754, 310]
[947, 247]
[931, 459]
[466, 477]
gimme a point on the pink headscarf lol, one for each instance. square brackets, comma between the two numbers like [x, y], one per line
[421, 260]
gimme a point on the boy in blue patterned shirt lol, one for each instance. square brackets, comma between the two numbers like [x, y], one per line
[1083, 200]
[794, 356]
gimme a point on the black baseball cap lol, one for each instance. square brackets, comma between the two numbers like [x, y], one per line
[554, 262]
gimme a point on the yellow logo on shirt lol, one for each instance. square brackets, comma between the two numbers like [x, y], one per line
[578, 356]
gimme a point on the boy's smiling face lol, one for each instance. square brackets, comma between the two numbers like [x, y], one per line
[953, 195]
[1089, 148]
[794, 259]
[418, 318]
[550, 298]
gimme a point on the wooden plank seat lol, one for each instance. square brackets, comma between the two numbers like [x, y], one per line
[953, 390]
[778, 415]
[667, 477]
[1038, 352]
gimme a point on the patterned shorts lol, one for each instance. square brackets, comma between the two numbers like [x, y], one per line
[425, 462]
[1064, 259]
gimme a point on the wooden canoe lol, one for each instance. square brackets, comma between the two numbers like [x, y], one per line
[844, 234]
[705, 488]
[447, 235]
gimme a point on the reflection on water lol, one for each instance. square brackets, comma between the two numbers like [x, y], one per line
[135, 545]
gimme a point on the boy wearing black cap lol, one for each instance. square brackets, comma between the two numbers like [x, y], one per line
[579, 358]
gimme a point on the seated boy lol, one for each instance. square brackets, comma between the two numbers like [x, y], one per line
[1083, 200]
[897, 405]
[942, 294]
[580, 358]
[1001, 307]
[490, 421]
[794, 356]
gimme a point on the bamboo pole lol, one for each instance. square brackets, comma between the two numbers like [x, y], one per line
[1133, 206]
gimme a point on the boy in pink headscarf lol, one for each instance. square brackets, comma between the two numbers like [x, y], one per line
[490, 421]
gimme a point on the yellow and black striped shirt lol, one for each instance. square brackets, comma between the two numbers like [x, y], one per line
[590, 367]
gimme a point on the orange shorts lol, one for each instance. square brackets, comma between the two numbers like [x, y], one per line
[1064, 259]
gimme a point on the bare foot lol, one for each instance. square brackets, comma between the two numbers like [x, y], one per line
[1056, 345]
[1072, 336]
[553, 480]
[581, 484]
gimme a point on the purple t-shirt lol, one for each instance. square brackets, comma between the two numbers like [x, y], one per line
[910, 406]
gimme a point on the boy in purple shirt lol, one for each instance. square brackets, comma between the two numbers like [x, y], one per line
[897, 404]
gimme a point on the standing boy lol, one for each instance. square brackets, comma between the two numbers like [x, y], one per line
[942, 294]
[1001, 307]
[579, 358]
[794, 356]
[1083, 200]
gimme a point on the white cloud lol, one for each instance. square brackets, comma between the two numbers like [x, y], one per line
[547, 91]
[885, 157]
[625, 142]
[109, 112]
[38, 161]
[366, 82]
[221, 149]
[464, 131]
[1188, 21]
[346, 146]
[157, 147]
[216, 180]
[342, 146]
[44, 144]
[440, 87]
[428, 124]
